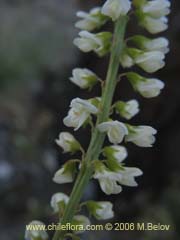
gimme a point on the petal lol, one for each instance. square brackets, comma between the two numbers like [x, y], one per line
[82, 118]
[104, 127]
[109, 187]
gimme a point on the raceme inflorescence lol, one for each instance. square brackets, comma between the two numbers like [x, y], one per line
[106, 164]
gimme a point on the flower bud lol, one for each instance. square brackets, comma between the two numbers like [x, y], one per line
[84, 78]
[59, 202]
[126, 60]
[100, 43]
[156, 8]
[79, 113]
[153, 25]
[100, 210]
[92, 20]
[116, 153]
[36, 231]
[150, 61]
[68, 143]
[127, 109]
[115, 156]
[142, 136]
[116, 8]
[65, 174]
[115, 130]
[147, 87]
[158, 44]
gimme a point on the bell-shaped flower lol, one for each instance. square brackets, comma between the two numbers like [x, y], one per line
[158, 44]
[36, 230]
[84, 78]
[128, 175]
[150, 61]
[59, 202]
[100, 210]
[154, 25]
[68, 143]
[156, 8]
[142, 136]
[100, 43]
[147, 87]
[66, 173]
[79, 113]
[115, 130]
[127, 109]
[115, 152]
[92, 20]
[108, 179]
[81, 223]
[116, 8]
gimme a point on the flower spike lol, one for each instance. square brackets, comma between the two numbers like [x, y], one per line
[107, 164]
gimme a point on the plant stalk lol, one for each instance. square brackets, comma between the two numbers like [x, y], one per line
[97, 138]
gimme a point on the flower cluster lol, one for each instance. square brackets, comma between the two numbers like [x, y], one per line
[148, 54]
[152, 14]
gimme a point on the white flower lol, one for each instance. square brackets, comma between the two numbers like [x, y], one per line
[67, 142]
[82, 222]
[142, 136]
[150, 87]
[110, 181]
[156, 8]
[100, 210]
[115, 130]
[36, 230]
[116, 8]
[84, 78]
[90, 21]
[78, 114]
[154, 25]
[158, 44]
[126, 60]
[58, 201]
[109, 184]
[127, 109]
[66, 173]
[147, 87]
[62, 177]
[150, 61]
[104, 211]
[99, 43]
[115, 152]
[128, 176]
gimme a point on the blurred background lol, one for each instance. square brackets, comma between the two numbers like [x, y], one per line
[36, 60]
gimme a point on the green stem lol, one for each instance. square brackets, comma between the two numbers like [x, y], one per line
[97, 138]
